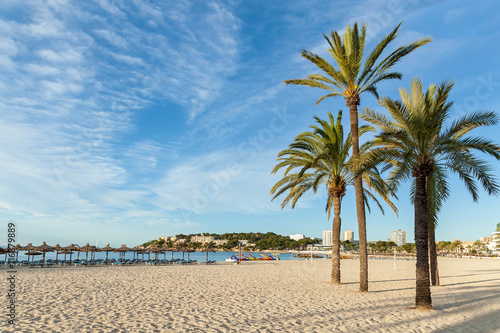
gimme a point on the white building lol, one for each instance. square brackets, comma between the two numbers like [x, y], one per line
[494, 242]
[348, 235]
[297, 237]
[327, 238]
[202, 239]
[398, 237]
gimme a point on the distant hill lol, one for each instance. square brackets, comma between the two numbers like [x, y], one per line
[252, 241]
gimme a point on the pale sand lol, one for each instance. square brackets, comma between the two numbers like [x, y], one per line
[285, 296]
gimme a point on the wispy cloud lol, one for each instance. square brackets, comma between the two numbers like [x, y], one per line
[222, 181]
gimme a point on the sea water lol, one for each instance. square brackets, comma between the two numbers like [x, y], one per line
[199, 256]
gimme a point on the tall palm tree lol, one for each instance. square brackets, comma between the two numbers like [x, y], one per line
[355, 75]
[321, 157]
[416, 143]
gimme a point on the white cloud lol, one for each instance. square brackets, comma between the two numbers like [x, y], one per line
[68, 55]
[6, 63]
[7, 46]
[43, 70]
[127, 59]
[113, 38]
[145, 155]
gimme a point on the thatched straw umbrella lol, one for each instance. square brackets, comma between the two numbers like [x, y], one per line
[27, 248]
[107, 249]
[6, 251]
[186, 250]
[44, 248]
[143, 252]
[32, 253]
[172, 250]
[155, 250]
[93, 251]
[139, 250]
[18, 248]
[71, 247]
[136, 250]
[181, 249]
[208, 250]
[122, 249]
[57, 248]
[87, 248]
[165, 249]
[65, 252]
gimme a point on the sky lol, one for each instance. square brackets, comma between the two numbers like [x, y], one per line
[125, 121]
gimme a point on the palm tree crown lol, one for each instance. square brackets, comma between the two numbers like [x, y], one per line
[316, 158]
[354, 76]
[417, 143]
[321, 157]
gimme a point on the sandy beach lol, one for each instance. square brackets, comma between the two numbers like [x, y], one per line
[284, 296]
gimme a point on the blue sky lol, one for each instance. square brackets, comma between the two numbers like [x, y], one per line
[124, 121]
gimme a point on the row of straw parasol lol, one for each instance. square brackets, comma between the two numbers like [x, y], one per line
[44, 248]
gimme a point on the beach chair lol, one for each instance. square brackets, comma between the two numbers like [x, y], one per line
[24, 263]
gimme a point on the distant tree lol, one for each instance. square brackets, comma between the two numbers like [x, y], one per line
[209, 245]
[408, 248]
[195, 245]
[468, 248]
[456, 247]
[478, 244]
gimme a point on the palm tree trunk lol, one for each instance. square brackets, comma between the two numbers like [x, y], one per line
[352, 103]
[433, 257]
[423, 290]
[336, 241]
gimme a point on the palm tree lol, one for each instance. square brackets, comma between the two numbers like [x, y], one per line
[353, 77]
[457, 247]
[484, 248]
[416, 143]
[478, 244]
[321, 157]
[469, 249]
